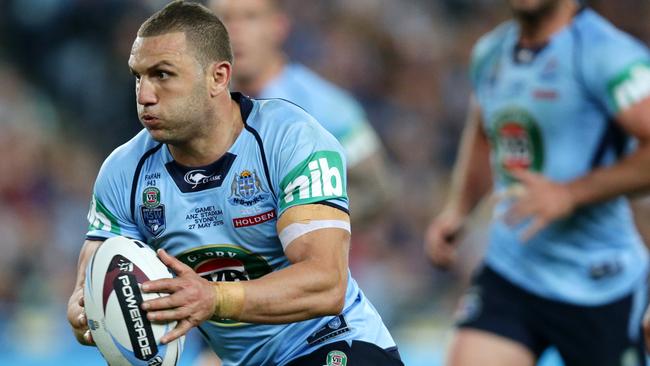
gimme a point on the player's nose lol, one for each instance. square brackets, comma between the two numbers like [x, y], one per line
[146, 93]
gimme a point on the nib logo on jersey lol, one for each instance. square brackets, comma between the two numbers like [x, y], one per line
[225, 263]
[517, 141]
[317, 178]
[123, 278]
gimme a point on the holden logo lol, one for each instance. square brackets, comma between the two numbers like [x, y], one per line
[196, 177]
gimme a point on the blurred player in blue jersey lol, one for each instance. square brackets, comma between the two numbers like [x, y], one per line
[559, 93]
[245, 200]
[258, 30]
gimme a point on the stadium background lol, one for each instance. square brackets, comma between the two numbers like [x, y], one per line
[67, 99]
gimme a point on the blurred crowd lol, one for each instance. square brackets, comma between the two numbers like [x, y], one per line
[67, 99]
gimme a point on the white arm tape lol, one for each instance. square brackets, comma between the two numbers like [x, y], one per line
[295, 230]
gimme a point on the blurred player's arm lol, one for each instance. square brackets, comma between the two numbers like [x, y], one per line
[471, 180]
[545, 201]
[76, 313]
[631, 174]
[313, 285]
[370, 187]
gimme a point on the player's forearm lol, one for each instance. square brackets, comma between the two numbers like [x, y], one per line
[89, 247]
[471, 177]
[302, 291]
[629, 176]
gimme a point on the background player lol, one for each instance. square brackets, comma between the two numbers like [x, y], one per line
[565, 265]
[258, 30]
[247, 197]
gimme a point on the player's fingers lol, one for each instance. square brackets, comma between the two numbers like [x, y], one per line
[181, 328]
[513, 192]
[82, 322]
[443, 256]
[168, 315]
[537, 225]
[525, 176]
[177, 266]
[164, 302]
[167, 285]
[518, 212]
[88, 338]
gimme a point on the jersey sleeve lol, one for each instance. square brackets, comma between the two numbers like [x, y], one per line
[485, 53]
[109, 213]
[358, 138]
[310, 168]
[617, 71]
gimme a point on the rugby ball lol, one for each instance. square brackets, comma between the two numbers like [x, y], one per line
[113, 300]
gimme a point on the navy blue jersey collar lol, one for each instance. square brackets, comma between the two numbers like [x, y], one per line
[245, 104]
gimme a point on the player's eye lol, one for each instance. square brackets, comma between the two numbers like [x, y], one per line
[162, 75]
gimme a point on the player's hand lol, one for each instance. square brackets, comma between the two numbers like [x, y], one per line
[77, 318]
[441, 239]
[191, 301]
[541, 201]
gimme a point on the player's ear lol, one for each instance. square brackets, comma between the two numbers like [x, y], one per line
[219, 74]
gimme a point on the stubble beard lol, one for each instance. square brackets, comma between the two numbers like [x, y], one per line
[188, 120]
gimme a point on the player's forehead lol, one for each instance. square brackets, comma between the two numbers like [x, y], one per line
[147, 51]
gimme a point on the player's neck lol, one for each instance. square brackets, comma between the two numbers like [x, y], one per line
[211, 145]
[537, 30]
[272, 69]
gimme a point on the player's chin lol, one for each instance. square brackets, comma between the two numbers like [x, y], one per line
[160, 135]
[529, 8]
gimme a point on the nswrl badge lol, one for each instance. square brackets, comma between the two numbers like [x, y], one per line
[152, 211]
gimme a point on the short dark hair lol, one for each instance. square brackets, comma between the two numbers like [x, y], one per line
[203, 29]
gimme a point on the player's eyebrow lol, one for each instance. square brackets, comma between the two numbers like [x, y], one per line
[154, 66]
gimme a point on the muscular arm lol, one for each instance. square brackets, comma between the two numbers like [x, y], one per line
[314, 284]
[630, 175]
[471, 180]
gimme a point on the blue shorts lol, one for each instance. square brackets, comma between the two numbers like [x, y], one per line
[603, 335]
[358, 353]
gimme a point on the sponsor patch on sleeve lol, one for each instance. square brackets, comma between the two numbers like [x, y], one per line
[100, 218]
[630, 86]
[319, 177]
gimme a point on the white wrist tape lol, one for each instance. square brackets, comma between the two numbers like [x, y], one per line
[296, 230]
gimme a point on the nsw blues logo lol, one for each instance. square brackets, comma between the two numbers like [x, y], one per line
[246, 189]
[153, 212]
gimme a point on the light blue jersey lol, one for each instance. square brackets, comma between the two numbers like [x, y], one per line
[221, 220]
[551, 111]
[334, 108]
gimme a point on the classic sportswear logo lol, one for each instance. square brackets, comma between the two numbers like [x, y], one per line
[198, 176]
[321, 176]
[631, 86]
